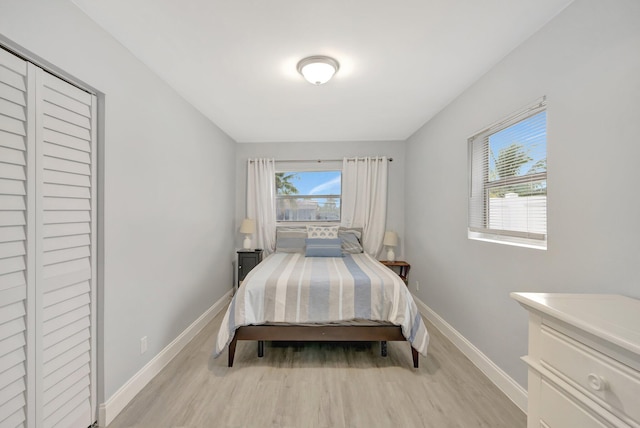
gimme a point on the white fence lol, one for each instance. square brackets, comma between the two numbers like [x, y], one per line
[528, 213]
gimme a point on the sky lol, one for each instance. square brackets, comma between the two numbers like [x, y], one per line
[531, 131]
[317, 182]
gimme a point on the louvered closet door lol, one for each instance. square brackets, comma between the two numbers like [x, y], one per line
[13, 240]
[47, 249]
[65, 252]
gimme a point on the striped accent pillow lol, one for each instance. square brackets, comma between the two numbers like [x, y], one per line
[323, 247]
[350, 242]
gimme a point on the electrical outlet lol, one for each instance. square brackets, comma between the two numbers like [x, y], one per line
[143, 345]
[417, 285]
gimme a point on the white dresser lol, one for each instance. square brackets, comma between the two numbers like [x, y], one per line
[584, 360]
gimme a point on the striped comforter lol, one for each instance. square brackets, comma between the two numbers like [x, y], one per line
[292, 288]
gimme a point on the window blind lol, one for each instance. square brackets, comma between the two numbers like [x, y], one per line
[508, 179]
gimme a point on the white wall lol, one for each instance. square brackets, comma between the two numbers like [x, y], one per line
[325, 150]
[587, 62]
[169, 188]
[167, 206]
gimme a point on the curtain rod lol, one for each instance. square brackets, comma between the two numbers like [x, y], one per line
[318, 160]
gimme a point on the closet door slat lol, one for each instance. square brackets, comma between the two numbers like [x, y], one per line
[14, 95]
[12, 156]
[11, 109]
[12, 217]
[13, 63]
[65, 153]
[59, 243]
[13, 235]
[12, 328]
[64, 204]
[11, 141]
[73, 332]
[8, 249]
[52, 217]
[66, 229]
[13, 172]
[54, 110]
[75, 377]
[67, 102]
[47, 248]
[57, 164]
[57, 177]
[63, 372]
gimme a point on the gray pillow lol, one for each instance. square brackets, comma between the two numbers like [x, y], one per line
[290, 240]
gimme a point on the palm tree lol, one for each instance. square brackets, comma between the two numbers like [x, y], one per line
[284, 186]
[510, 159]
[507, 164]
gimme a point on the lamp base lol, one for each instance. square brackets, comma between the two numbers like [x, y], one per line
[391, 256]
[246, 244]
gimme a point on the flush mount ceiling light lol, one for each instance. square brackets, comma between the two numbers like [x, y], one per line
[318, 70]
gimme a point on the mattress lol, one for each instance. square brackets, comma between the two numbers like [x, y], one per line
[293, 289]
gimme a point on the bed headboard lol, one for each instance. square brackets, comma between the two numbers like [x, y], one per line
[292, 239]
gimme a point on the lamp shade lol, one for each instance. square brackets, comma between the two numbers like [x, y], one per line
[390, 239]
[248, 226]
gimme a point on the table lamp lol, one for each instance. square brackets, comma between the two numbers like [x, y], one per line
[248, 228]
[390, 240]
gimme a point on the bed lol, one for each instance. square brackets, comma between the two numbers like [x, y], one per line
[321, 289]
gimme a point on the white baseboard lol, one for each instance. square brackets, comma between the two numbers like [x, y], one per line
[118, 401]
[503, 381]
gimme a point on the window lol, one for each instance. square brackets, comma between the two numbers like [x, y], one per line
[308, 196]
[508, 180]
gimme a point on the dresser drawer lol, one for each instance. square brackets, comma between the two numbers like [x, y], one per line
[617, 385]
[558, 411]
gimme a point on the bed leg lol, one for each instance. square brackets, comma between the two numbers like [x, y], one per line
[415, 357]
[383, 348]
[232, 350]
[260, 348]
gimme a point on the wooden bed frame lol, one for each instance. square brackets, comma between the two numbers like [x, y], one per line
[333, 333]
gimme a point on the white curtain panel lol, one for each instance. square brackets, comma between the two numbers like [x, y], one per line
[261, 188]
[364, 199]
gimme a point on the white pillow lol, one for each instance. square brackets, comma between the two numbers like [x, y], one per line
[322, 232]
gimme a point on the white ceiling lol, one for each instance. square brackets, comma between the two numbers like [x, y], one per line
[400, 61]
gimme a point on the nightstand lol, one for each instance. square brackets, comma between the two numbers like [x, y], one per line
[247, 260]
[403, 269]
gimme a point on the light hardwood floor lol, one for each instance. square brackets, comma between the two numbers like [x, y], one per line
[320, 385]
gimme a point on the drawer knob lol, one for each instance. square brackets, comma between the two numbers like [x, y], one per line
[597, 383]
